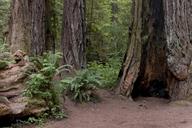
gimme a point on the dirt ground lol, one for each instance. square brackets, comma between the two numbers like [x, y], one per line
[119, 112]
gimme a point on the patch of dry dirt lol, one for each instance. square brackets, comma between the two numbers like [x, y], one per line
[118, 112]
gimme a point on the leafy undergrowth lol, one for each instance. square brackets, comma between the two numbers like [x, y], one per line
[82, 87]
[107, 73]
[42, 85]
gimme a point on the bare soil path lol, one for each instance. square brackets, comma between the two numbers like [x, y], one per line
[118, 112]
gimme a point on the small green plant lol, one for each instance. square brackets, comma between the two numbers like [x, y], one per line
[38, 86]
[82, 87]
[57, 114]
[39, 121]
[41, 84]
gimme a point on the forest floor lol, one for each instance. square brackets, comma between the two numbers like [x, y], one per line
[119, 112]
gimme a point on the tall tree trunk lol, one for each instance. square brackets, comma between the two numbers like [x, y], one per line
[160, 49]
[27, 27]
[73, 35]
[19, 27]
[38, 27]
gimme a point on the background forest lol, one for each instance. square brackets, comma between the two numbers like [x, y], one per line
[111, 63]
[107, 25]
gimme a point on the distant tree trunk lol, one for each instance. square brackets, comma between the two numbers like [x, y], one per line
[114, 21]
[114, 11]
[73, 35]
[27, 27]
[38, 27]
[160, 50]
[51, 25]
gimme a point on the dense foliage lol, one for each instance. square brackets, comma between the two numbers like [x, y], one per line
[83, 85]
[107, 24]
[107, 28]
[107, 73]
[107, 37]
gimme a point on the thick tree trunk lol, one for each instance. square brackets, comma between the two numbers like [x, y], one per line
[178, 20]
[73, 35]
[27, 30]
[19, 30]
[160, 57]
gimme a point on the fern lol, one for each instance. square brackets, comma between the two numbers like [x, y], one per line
[41, 84]
[82, 87]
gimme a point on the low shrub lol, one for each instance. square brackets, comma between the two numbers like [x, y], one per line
[82, 86]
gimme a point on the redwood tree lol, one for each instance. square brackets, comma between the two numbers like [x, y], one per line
[73, 34]
[160, 49]
[28, 26]
[19, 26]
[38, 26]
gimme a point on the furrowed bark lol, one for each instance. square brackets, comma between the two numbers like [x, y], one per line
[73, 35]
[27, 26]
[38, 27]
[178, 19]
[19, 26]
